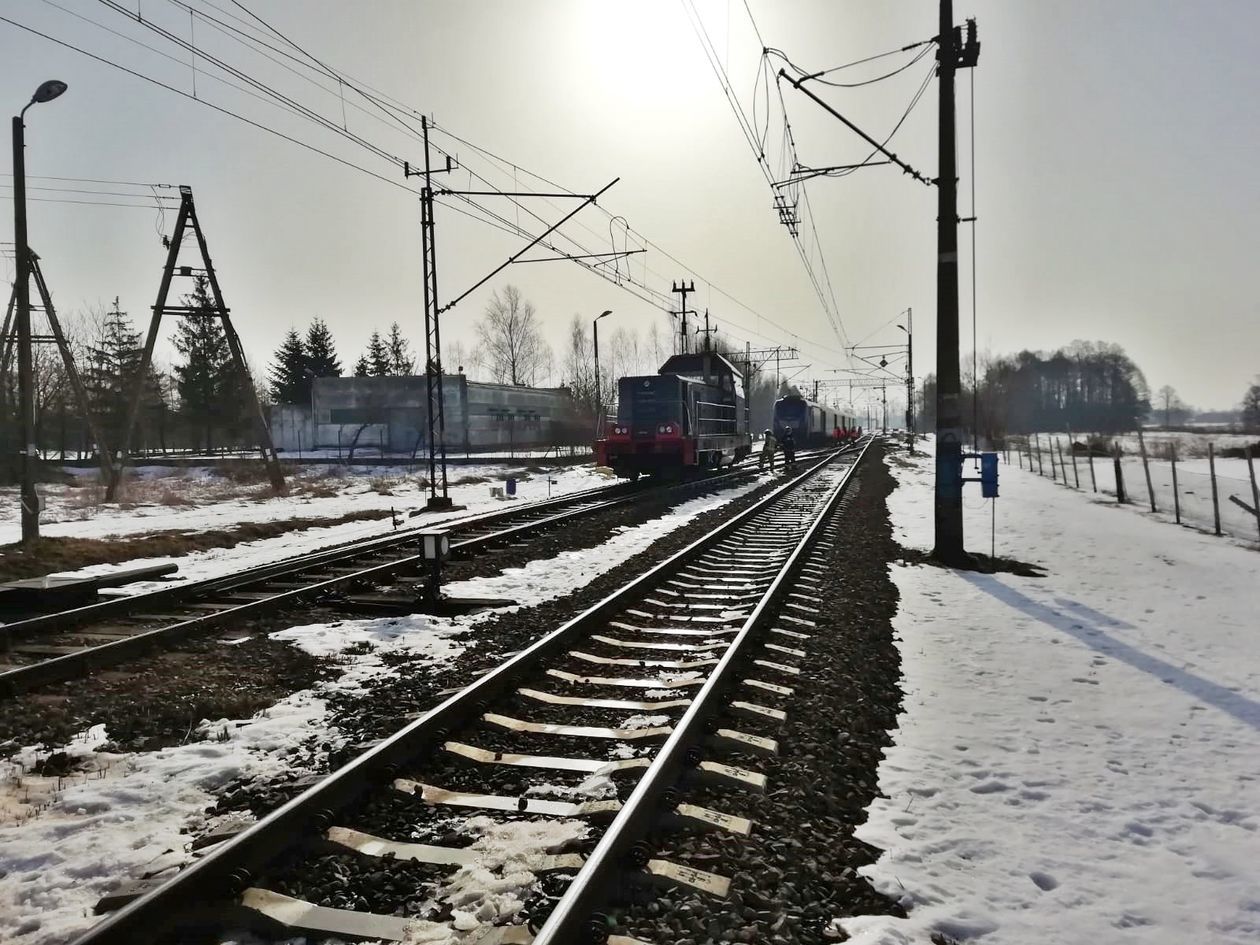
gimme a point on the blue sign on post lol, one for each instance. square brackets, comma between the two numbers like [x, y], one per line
[989, 475]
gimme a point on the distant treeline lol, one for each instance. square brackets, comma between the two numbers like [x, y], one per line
[1087, 386]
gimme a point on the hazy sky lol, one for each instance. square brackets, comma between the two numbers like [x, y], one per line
[1116, 153]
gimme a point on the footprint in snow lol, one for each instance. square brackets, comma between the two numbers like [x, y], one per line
[1044, 881]
[990, 787]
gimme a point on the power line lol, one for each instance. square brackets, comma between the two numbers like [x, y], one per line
[100, 193]
[86, 203]
[94, 180]
[818, 76]
[261, 86]
[208, 104]
[643, 291]
[395, 106]
[787, 215]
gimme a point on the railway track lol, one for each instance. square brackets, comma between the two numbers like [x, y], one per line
[65, 645]
[451, 826]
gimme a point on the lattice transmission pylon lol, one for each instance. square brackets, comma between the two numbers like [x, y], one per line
[186, 218]
[8, 348]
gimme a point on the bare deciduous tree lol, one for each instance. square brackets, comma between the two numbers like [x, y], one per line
[1169, 403]
[512, 346]
[579, 365]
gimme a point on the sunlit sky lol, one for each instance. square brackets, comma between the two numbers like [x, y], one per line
[1115, 158]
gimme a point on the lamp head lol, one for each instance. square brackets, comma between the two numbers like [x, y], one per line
[605, 313]
[904, 328]
[48, 91]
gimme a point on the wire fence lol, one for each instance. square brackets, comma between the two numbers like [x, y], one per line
[1211, 492]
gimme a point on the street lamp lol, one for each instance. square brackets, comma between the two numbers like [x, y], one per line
[599, 400]
[26, 382]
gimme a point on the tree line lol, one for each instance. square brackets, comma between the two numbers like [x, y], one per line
[200, 401]
[1086, 387]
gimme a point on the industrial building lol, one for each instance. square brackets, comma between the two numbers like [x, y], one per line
[391, 414]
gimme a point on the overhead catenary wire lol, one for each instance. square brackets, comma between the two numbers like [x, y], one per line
[218, 108]
[657, 297]
[926, 45]
[747, 128]
[395, 105]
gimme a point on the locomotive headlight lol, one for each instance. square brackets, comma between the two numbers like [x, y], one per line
[660, 429]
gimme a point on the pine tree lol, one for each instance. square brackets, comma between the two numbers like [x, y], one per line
[290, 377]
[376, 359]
[361, 367]
[112, 362]
[321, 352]
[207, 380]
[400, 360]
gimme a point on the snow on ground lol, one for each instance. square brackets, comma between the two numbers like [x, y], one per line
[193, 500]
[356, 495]
[124, 817]
[1078, 759]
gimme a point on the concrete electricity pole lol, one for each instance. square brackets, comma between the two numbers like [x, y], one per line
[952, 55]
[26, 370]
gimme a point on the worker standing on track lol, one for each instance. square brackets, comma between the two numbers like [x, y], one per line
[767, 451]
[788, 442]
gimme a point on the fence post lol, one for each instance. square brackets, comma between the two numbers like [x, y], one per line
[1216, 505]
[1172, 454]
[1119, 476]
[1255, 492]
[1146, 466]
[1020, 455]
[1076, 474]
[1062, 466]
[1041, 469]
[1093, 480]
[1054, 476]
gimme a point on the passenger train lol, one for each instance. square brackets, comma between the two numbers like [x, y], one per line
[691, 414]
[812, 424]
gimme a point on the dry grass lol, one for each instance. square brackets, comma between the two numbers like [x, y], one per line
[243, 472]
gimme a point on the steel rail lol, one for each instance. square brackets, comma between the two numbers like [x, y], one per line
[121, 606]
[570, 920]
[231, 867]
[72, 665]
[324, 556]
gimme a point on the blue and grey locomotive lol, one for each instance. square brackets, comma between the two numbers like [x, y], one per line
[692, 413]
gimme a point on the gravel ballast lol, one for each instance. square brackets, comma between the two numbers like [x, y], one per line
[797, 870]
